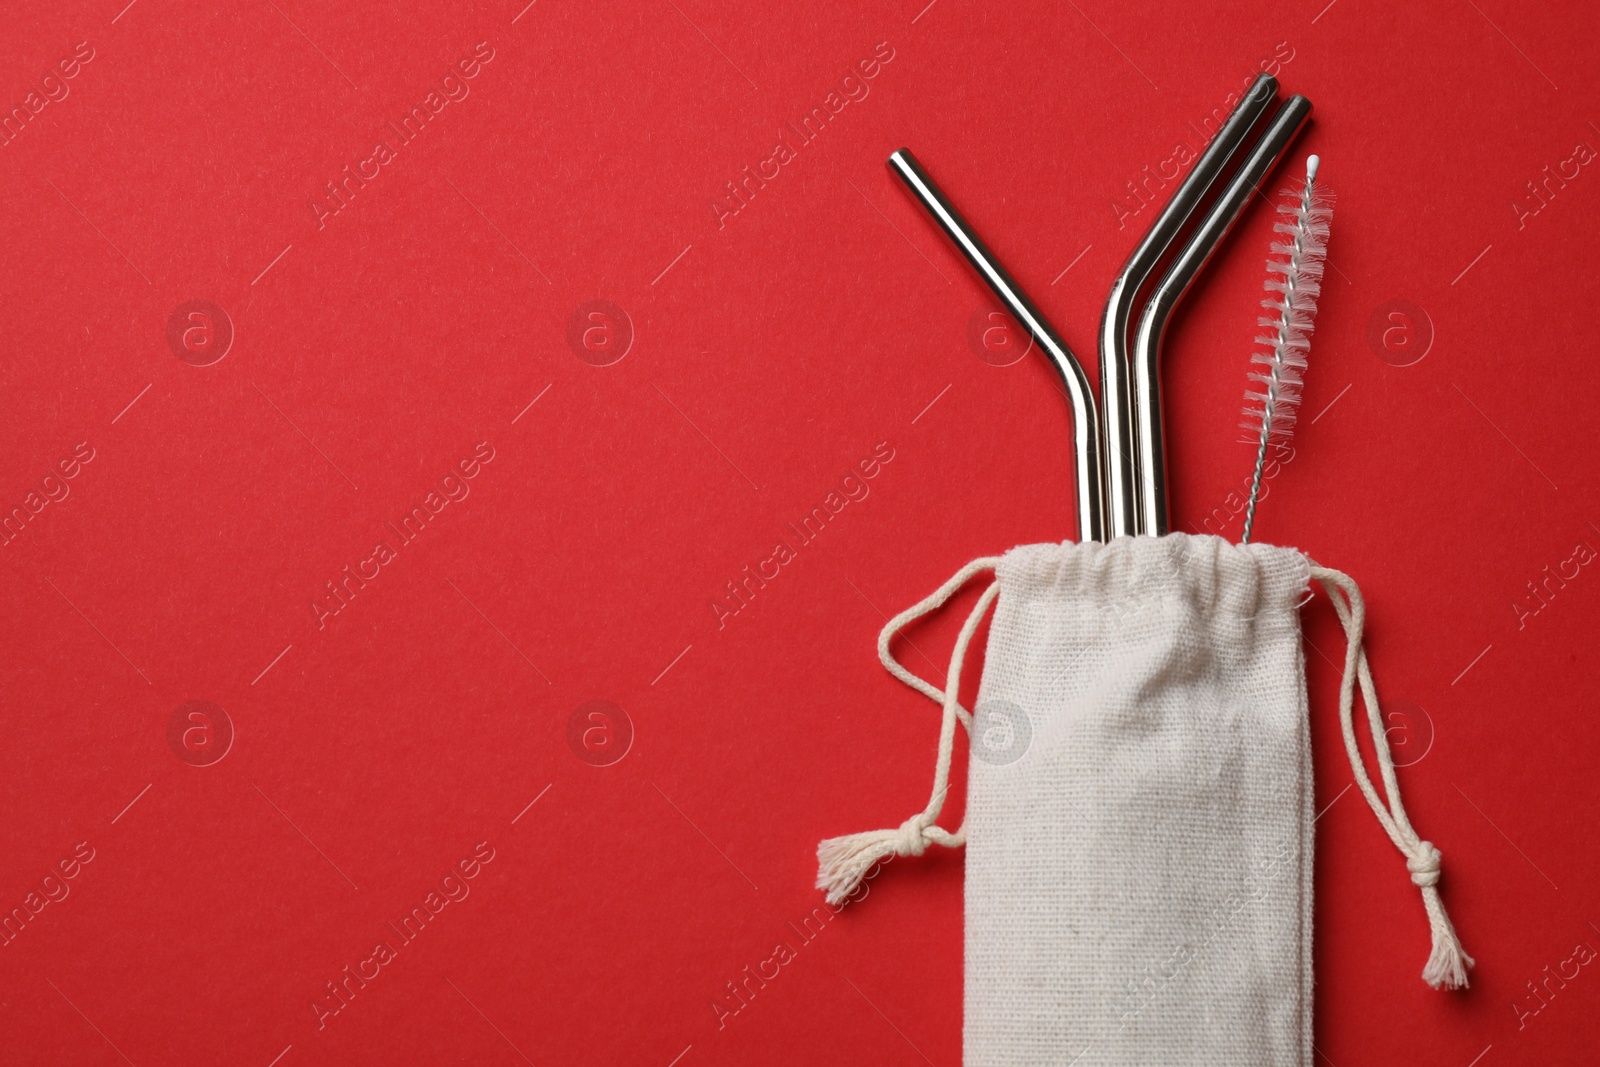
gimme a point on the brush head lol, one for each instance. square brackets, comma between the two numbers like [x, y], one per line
[1294, 282]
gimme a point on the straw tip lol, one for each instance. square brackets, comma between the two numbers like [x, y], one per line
[1312, 163]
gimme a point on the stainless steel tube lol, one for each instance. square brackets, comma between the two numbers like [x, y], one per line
[1152, 455]
[1119, 399]
[1085, 424]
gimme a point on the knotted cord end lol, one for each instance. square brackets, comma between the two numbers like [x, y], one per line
[1448, 963]
[844, 862]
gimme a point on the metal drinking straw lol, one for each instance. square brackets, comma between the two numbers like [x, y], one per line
[1118, 397]
[1085, 424]
[1151, 439]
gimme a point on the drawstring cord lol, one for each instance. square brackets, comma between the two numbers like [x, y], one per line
[843, 862]
[1448, 962]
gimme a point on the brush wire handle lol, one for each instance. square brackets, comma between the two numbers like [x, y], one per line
[1294, 274]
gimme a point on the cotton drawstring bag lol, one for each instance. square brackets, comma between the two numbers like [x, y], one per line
[1139, 805]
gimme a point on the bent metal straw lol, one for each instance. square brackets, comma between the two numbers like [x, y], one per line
[1116, 388]
[1208, 236]
[1085, 425]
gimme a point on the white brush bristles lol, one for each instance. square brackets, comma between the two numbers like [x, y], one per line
[1294, 280]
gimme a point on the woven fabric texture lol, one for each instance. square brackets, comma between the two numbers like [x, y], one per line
[1139, 811]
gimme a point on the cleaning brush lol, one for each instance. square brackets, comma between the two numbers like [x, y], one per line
[1294, 274]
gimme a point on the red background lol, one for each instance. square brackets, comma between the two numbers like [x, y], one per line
[774, 352]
